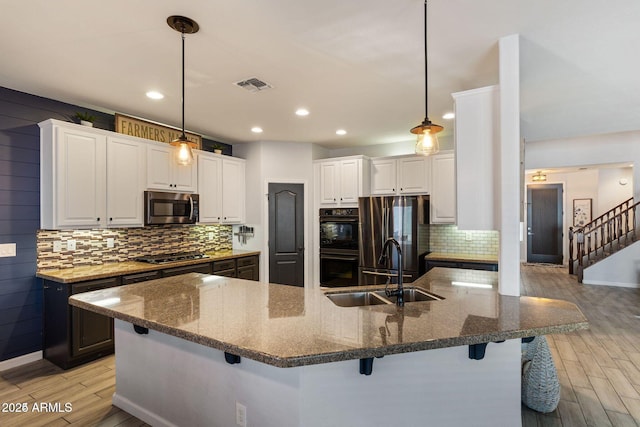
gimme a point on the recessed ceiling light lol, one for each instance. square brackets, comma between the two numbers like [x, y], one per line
[256, 129]
[302, 112]
[448, 116]
[341, 132]
[154, 94]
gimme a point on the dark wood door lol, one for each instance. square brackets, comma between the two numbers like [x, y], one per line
[286, 234]
[544, 223]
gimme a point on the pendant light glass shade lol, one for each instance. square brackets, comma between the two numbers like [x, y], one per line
[427, 141]
[184, 153]
[183, 150]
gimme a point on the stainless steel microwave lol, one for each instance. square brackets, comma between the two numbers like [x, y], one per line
[170, 208]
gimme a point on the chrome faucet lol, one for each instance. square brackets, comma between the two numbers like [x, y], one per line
[399, 292]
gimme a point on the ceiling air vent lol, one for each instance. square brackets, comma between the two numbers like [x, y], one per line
[253, 84]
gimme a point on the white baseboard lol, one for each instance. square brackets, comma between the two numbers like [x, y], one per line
[20, 360]
[603, 283]
[139, 412]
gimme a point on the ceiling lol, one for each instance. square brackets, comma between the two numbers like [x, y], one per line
[356, 65]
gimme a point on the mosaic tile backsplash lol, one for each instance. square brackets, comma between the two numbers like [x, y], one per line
[448, 239]
[129, 243]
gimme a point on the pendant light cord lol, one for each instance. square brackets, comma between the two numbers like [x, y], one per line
[183, 135]
[426, 80]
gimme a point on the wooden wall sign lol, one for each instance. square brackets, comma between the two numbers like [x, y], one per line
[153, 131]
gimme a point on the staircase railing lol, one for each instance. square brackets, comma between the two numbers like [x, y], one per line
[602, 236]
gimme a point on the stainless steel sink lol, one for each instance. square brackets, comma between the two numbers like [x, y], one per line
[365, 298]
[357, 299]
[412, 295]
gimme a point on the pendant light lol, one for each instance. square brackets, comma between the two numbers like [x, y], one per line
[183, 146]
[427, 142]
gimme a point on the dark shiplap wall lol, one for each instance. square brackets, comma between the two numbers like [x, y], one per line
[20, 290]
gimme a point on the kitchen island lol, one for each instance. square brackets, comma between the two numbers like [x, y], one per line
[300, 355]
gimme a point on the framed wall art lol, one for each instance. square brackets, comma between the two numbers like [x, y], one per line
[581, 212]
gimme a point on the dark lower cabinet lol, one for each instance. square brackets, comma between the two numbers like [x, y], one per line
[225, 268]
[198, 268]
[249, 268]
[470, 265]
[73, 336]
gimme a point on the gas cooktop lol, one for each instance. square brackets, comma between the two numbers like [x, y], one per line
[165, 258]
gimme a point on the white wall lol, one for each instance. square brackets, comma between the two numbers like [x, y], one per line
[285, 162]
[620, 269]
[610, 192]
[621, 147]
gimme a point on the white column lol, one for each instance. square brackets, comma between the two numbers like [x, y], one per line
[509, 185]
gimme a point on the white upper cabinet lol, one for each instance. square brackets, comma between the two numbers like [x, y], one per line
[126, 160]
[90, 178]
[343, 180]
[443, 189]
[221, 184]
[397, 176]
[413, 175]
[210, 185]
[477, 138]
[233, 191]
[383, 176]
[164, 172]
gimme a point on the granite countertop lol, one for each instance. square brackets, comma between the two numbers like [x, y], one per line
[92, 272]
[288, 326]
[443, 256]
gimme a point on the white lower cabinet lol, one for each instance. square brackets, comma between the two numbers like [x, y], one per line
[443, 189]
[89, 178]
[221, 184]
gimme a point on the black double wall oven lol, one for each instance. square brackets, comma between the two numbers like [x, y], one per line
[339, 253]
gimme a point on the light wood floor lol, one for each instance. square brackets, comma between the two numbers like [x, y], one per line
[88, 388]
[599, 369]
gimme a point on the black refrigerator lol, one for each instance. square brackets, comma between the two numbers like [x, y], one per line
[405, 218]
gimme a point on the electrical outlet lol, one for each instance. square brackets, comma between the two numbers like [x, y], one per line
[57, 246]
[241, 415]
[7, 250]
[110, 242]
[468, 236]
[211, 235]
[71, 245]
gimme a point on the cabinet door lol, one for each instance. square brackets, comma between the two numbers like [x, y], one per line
[443, 191]
[477, 158]
[91, 332]
[413, 175]
[185, 177]
[349, 181]
[164, 173]
[329, 175]
[159, 167]
[80, 167]
[125, 182]
[210, 188]
[233, 191]
[383, 176]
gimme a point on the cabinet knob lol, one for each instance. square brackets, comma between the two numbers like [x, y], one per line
[110, 219]
[98, 219]
[393, 189]
[340, 198]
